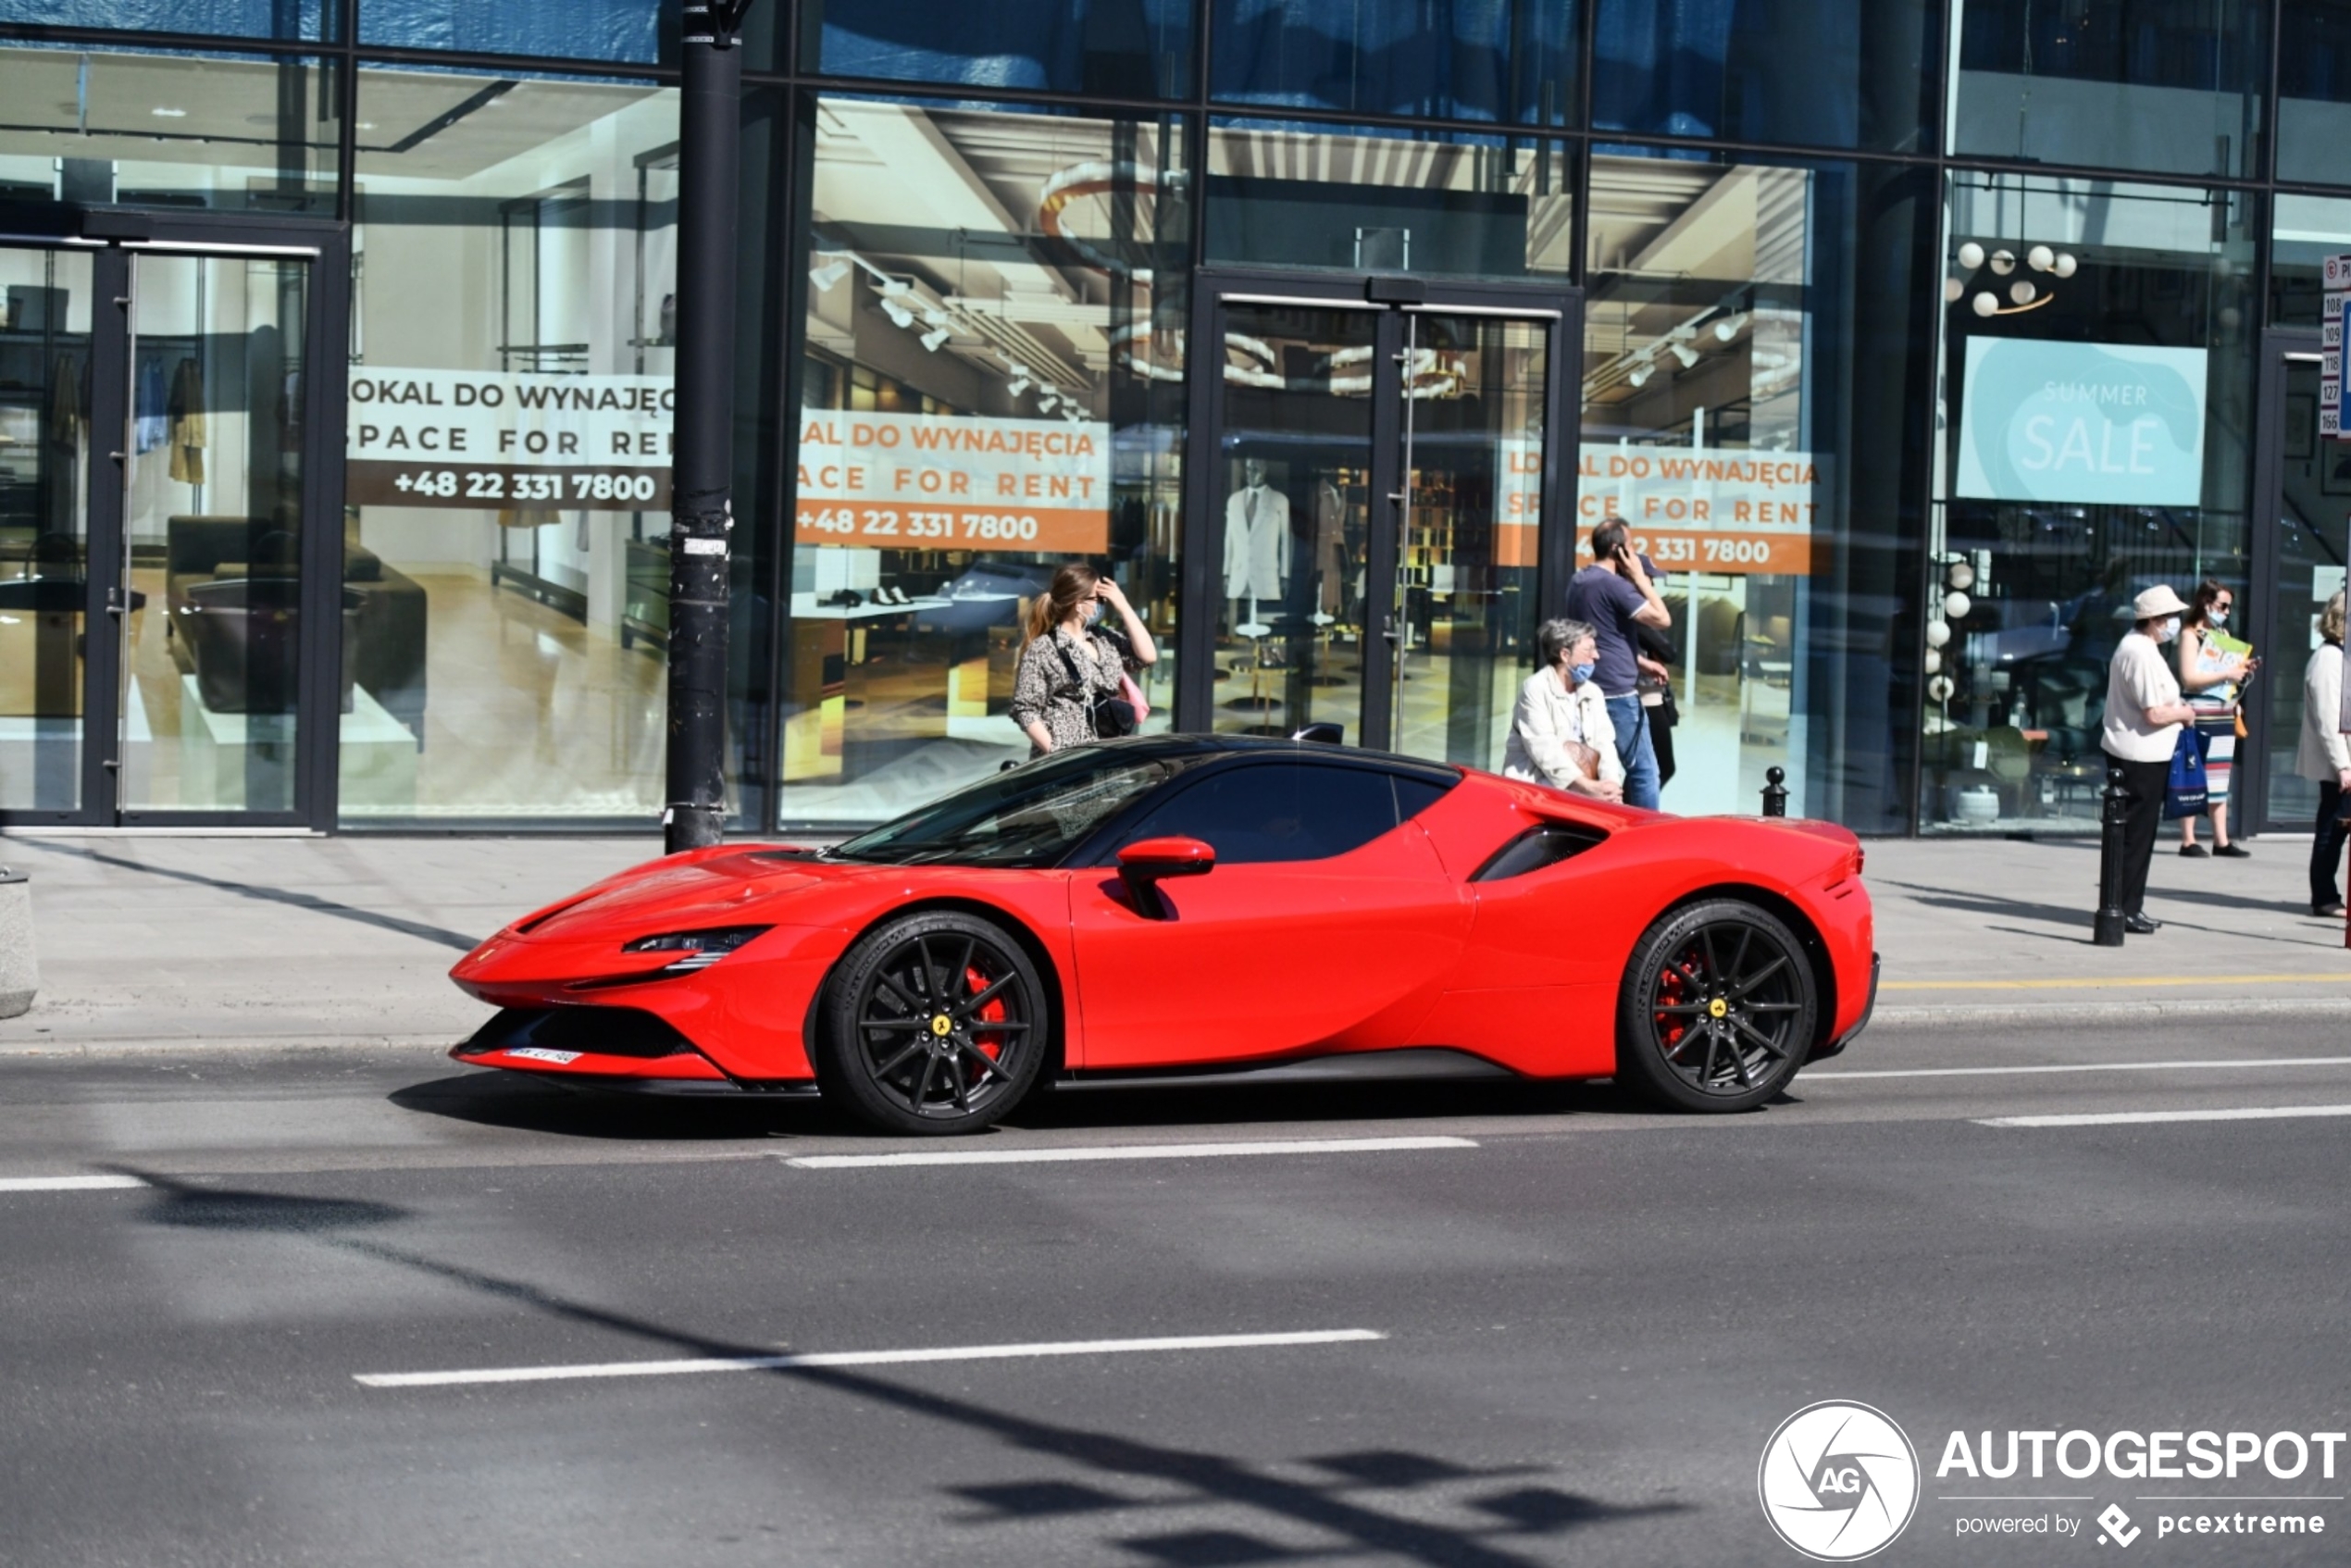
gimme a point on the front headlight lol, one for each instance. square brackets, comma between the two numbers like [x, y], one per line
[698, 950]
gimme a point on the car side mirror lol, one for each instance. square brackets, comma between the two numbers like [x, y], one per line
[1143, 865]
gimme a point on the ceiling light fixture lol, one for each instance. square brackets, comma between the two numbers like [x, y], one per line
[1684, 353]
[1728, 327]
[170, 113]
[899, 315]
[825, 274]
[937, 337]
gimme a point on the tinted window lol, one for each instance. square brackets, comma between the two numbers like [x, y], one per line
[1027, 815]
[1414, 796]
[1277, 811]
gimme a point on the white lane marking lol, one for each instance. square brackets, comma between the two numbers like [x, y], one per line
[2078, 1068]
[860, 1358]
[2126, 1118]
[1122, 1152]
[66, 1183]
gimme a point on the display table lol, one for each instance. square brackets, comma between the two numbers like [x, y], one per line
[233, 762]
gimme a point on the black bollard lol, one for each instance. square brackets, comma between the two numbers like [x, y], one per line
[2110, 921]
[1775, 792]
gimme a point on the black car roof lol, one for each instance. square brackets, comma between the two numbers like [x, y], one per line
[1175, 745]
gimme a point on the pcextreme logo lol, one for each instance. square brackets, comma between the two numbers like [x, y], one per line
[1839, 1481]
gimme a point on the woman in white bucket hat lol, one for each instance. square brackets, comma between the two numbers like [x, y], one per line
[2142, 717]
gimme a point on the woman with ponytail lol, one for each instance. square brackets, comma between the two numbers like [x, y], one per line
[1070, 663]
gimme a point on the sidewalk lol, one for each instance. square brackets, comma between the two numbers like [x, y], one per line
[164, 943]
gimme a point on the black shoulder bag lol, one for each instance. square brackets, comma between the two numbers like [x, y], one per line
[1111, 716]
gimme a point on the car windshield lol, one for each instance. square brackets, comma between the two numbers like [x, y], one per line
[1027, 817]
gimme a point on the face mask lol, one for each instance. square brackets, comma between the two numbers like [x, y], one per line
[2218, 618]
[2168, 631]
[1093, 611]
[1578, 674]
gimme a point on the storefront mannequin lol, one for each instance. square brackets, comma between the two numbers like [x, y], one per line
[1257, 544]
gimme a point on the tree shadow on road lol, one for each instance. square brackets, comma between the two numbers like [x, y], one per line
[1353, 1502]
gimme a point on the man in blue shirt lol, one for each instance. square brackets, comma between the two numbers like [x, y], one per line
[1614, 594]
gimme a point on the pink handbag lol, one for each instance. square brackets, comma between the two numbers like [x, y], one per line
[1134, 696]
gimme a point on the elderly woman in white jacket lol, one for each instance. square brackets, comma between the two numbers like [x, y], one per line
[2324, 757]
[1560, 723]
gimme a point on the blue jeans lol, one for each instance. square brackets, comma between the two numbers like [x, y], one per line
[1631, 722]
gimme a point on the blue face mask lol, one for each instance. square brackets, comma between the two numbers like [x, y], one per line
[1578, 674]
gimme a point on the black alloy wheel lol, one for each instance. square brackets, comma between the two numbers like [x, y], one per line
[1719, 1008]
[934, 1024]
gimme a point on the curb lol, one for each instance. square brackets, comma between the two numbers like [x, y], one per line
[192, 1045]
[2135, 1013]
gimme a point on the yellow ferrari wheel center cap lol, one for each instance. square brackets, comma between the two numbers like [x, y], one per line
[1717, 1008]
[941, 1025]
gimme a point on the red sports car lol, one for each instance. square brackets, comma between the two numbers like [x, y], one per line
[1186, 901]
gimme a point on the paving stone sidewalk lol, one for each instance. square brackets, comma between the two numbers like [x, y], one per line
[164, 943]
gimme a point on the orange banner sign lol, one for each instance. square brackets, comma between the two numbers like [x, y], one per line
[937, 481]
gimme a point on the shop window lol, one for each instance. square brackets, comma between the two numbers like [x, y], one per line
[623, 32]
[513, 317]
[2097, 378]
[224, 132]
[1294, 195]
[1510, 62]
[1265, 812]
[2314, 90]
[992, 386]
[1827, 73]
[2304, 232]
[2143, 84]
[287, 21]
[1754, 334]
[1116, 48]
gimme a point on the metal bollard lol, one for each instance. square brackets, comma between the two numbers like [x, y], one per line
[19, 971]
[2116, 806]
[1775, 792]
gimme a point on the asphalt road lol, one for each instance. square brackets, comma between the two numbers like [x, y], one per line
[1547, 1328]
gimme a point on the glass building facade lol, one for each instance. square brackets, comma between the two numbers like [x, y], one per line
[336, 339]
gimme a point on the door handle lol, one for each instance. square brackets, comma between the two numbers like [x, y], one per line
[115, 606]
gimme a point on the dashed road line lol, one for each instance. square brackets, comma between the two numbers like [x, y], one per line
[860, 1358]
[2130, 1118]
[66, 1183]
[1072, 1155]
[2076, 1067]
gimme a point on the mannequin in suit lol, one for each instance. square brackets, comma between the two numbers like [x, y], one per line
[1257, 543]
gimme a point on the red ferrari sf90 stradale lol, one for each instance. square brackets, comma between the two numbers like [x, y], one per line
[1199, 901]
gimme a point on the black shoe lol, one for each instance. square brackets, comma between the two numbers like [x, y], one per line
[2192, 849]
[2328, 911]
[2234, 851]
[2140, 925]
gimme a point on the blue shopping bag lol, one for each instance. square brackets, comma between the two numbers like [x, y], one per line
[2183, 792]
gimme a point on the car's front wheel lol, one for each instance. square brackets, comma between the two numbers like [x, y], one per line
[933, 1024]
[1719, 1008]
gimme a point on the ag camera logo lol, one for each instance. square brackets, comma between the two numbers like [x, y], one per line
[1839, 1481]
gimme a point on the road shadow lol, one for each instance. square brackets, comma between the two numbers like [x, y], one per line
[1357, 1499]
[517, 1103]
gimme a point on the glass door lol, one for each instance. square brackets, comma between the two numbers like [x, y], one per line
[1380, 481]
[159, 547]
[46, 297]
[2302, 515]
[209, 608]
[1474, 392]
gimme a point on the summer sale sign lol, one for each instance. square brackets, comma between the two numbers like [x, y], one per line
[2113, 424]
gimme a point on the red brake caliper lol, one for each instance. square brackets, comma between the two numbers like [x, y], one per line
[993, 1012]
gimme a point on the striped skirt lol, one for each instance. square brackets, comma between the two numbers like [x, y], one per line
[2216, 733]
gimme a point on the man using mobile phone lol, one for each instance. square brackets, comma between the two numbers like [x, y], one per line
[1614, 594]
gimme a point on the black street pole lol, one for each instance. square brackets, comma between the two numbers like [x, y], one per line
[703, 464]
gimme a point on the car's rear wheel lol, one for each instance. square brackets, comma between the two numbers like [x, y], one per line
[1719, 1008]
[933, 1024]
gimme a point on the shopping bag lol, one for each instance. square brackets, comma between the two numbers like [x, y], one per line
[2183, 791]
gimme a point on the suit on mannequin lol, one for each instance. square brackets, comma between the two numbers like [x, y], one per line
[1257, 543]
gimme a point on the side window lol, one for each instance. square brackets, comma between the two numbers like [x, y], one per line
[1277, 811]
